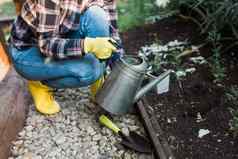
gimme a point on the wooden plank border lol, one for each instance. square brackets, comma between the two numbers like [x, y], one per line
[5, 21]
[161, 146]
[14, 102]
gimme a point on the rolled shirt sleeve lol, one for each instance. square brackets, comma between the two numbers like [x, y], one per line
[59, 48]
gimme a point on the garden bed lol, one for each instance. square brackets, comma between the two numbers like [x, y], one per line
[178, 114]
[194, 103]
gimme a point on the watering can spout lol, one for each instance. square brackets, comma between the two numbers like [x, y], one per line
[150, 85]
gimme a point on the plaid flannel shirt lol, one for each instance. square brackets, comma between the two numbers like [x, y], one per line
[44, 23]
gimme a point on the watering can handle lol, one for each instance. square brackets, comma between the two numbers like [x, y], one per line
[114, 43]
[150, 85]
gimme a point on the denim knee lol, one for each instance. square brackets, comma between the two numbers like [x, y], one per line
[94, 22]
[88, 70]
[15, 56]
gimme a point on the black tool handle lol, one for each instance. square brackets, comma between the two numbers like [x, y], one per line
[114, 43]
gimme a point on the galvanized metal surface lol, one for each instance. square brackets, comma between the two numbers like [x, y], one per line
[122, 87]
[150, 85]
[117, 94]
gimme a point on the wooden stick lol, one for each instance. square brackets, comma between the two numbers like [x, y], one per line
[157, 145]
[161, 136]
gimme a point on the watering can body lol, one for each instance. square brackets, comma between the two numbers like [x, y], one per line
[122, 87]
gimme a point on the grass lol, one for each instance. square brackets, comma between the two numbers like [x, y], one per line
[133, 13]
[7, 9]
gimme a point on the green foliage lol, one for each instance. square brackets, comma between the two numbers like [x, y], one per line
[7, 35]
[170, 9]
[234, 122]
[163, 57]
[219, 15]
[217, 68]
[7, 9]
[134, 12]
[232, 96]
[218, 19]
[232, 100]
[167, 59]
[212, 15]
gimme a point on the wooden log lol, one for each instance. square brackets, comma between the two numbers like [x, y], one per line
[13, 110]
[160, 143]
[13, 102]
[164, 142]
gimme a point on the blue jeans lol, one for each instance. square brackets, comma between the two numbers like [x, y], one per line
[68, 73]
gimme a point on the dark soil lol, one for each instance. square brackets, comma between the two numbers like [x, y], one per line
[165, 30]
[177, 110]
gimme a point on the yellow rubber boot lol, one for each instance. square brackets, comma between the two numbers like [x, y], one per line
[43, 98]
[96, 86]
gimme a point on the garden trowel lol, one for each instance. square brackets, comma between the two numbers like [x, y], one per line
[133, 141]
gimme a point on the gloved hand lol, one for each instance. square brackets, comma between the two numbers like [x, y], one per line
[100, 46]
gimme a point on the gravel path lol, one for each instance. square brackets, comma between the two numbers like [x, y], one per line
[74, 133]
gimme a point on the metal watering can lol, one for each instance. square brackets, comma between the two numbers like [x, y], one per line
[122, 88]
